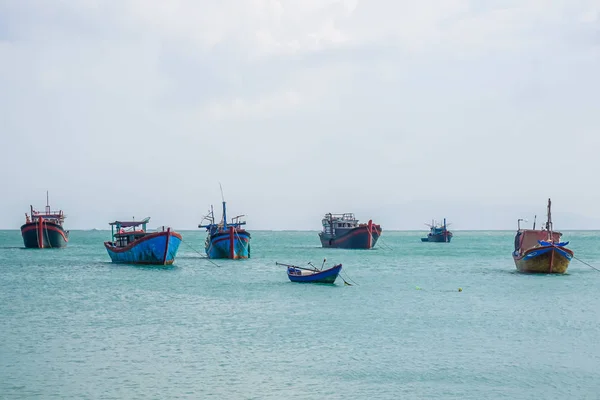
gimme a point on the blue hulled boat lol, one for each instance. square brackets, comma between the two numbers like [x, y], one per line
[312, 275]
[226, 239]
[438, 233]
[137, 246]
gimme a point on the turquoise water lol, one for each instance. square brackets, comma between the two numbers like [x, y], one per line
[75, 326]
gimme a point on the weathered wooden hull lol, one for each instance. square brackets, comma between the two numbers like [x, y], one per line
[158, 248]
[356, 238]
[544, 259]
[303, 276]
[232, 244]
[44, 235]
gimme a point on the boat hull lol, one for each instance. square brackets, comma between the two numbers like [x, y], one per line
[544, 259]
[158, 248]
[438, 238]
[302, 276]
[44, 235]
[356, 238]
[232, 244]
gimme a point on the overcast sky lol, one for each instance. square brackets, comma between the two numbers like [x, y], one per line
[400, 111]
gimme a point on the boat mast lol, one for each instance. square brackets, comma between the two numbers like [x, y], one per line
[549, 222]
[224, 208]
[445, 232]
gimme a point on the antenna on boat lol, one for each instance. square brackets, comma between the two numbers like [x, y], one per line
[519, 223]
[534, 218]
[47, 203]
[323, 263]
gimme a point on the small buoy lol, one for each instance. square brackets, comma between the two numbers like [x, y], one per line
[418, 288]
[460, 289]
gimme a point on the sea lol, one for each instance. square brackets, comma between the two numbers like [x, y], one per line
[415, 321]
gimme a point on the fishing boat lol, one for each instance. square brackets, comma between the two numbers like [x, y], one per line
[343, 231]
[438, 233]
[44, 230]
[312, 275]
[226, 239]
[541, 250]
[132, 244]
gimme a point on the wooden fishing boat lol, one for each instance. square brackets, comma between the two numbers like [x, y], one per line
[344, 232]
[438, 233]
[137, 246]
[312, 275]
[226, 239]
[44, 230]
[541, 251]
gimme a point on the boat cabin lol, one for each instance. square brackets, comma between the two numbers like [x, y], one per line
[333, 222]
[56, 217]
[526, 239]
[214, 228]
[124, 233]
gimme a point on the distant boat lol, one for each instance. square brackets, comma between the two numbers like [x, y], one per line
[541, 250]
[438, 233]
[343, 231]
[137, 246]
[312, 275]
[44, 230]
[226, 239]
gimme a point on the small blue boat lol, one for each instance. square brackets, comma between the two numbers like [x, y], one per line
[136, 246]
[314, 275]
[226, 239]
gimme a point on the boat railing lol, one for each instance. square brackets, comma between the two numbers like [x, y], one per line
[56, 213]
[344, 216]
[237, 220]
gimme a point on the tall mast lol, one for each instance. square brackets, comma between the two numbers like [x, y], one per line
[224, 207]
[549, 223]
[47, 203]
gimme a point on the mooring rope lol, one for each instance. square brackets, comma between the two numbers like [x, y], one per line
[201, 255]
[583, 262]
[47, 237]
[350, 279]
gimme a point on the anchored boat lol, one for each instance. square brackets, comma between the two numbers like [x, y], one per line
[343, 231]
[226, 239]
[541, 250]
[312, 275]
[438, 233]
[132, 244]
[44, 230]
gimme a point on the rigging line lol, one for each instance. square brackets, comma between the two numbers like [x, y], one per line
[201, 255]
[583, 262]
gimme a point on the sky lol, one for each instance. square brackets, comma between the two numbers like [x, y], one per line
[399, 111]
